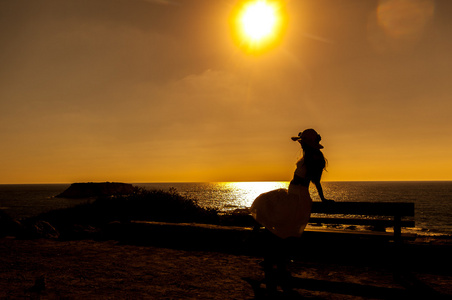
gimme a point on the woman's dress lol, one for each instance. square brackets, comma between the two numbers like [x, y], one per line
[285, 212]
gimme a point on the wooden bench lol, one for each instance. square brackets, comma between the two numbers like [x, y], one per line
[378, 215]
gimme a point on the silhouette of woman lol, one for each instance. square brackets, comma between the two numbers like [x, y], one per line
[285, 213]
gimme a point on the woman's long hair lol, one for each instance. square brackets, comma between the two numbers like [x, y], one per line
[315, 162]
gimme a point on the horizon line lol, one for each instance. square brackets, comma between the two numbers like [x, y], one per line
[141, 182]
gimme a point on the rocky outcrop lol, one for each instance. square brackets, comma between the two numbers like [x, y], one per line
[96, 189]
[26, 229]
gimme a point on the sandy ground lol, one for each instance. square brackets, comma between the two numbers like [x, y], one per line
[86, 269]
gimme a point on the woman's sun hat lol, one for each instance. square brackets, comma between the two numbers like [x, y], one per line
[309, 137]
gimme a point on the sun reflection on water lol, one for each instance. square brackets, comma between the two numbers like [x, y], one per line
[244, 193]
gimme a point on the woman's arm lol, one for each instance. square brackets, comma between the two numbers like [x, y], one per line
[315, 167]
[318, 185]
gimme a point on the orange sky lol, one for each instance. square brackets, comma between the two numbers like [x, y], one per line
[152, 91]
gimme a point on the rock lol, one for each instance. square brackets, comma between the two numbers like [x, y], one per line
[92, 189]
[45, 230]
[9, 226]
[78, 232]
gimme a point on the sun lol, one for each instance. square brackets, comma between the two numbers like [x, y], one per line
[258, 20]
[258, 25]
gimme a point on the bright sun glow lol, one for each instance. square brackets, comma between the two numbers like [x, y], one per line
[258, 25]
[258, 20]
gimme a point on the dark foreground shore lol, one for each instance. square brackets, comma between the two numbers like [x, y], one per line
[129, 269]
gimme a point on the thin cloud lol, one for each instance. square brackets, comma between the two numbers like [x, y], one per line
[317, 38]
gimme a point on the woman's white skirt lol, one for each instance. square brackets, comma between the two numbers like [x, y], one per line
[283, 212]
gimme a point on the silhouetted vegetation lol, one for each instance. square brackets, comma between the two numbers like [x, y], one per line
[142, 204]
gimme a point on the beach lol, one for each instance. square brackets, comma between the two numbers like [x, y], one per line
[106, 270]
[111, 269]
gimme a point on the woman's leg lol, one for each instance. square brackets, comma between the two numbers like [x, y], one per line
[271, 260]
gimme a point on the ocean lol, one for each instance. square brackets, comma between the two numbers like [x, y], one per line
[433, 199]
